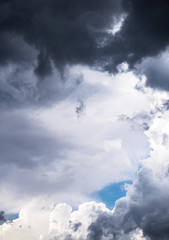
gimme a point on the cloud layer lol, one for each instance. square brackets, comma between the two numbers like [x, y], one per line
[81, 32]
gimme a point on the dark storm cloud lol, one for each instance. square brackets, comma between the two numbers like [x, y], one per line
[144, 32]
[146, 208]
[157, 77]
[2, 216]
[64, 31]
[156, 71]
[76, 32]
[14, 49]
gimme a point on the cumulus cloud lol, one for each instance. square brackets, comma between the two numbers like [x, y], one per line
[145, 208]
[146, 205]
[36, 221]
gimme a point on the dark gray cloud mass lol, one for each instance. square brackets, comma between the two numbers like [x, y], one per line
[2, 216]
[39, 39]
[146, 208]
[144, 32]
[156, 71]
[63, 31]
[76, 32]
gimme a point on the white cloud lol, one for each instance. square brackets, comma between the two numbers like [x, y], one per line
[53, 152]
[85, 154]
[38, 222]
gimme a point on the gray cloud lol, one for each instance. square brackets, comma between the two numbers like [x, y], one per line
[80, 109]
[62, 31]
[21, 88]
[50, 151]
[2, 216]
[28, 152]
[76, 226]
[140, 121]
[145, 207]
[156, 71]
[26, 144]
[144, 31]
[66, 32]
[38, 41]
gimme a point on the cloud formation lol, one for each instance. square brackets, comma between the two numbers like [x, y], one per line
[41, 42]
[51, 151]
[145, 208]
[43, 145]
[142, 214]
[155, 69]
[146, 205]
[36, 221]
[64, 32]
[81, 32]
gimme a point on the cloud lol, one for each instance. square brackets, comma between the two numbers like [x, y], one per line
[37, 221]
[64, 33]
[156, 71]
[47, 152]
[61, 31]
[142, 214]
[42, 42]
[80, 109]
[21, 88]
[144, 32]
[2, 216]
[43, 145]
[146, 205]
[145, 208]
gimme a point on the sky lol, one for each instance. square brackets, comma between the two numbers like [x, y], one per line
[84, 109]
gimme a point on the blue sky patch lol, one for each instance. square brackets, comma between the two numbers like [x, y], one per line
[111, 193]
[11, 216]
